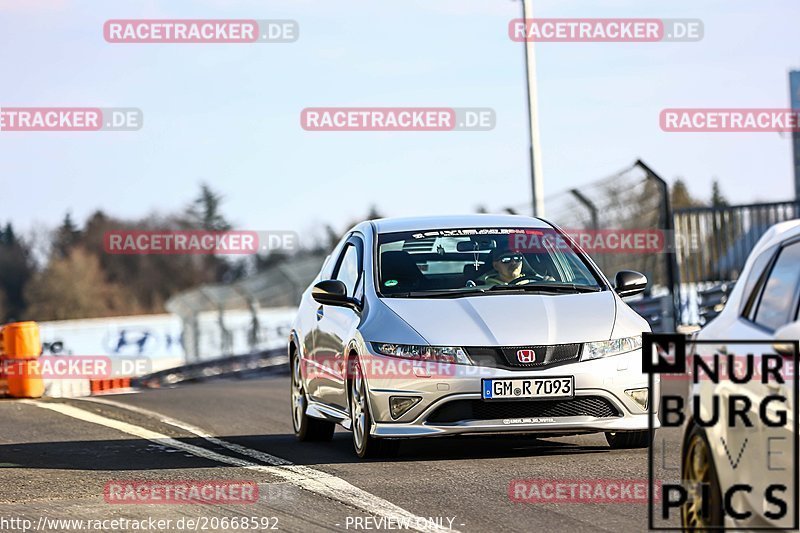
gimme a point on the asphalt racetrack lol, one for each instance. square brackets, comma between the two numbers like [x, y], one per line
[59, 456]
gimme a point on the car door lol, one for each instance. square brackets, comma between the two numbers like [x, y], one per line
[308, 314]
[777, 307]
[772, 304]
[336, 326]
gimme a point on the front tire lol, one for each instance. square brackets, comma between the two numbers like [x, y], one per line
[306, 428]
[365, 445]
[703, 508]
[628, 440]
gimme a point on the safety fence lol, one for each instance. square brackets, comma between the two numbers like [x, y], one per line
[633, 201]
[704, 248]
[724, 237]
[252, 305]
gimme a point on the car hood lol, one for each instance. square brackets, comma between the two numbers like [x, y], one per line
[509, 319]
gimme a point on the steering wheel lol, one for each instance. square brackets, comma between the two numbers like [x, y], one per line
[529, 277]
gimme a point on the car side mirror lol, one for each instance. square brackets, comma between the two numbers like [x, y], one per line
[789, 332]
[629, 283]
[334, 292]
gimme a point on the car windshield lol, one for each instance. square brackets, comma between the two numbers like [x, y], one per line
[480, 261]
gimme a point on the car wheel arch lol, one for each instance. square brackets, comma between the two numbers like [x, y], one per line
[294, 343]
[353, 355]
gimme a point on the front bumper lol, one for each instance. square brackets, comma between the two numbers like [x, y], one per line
[604, 379]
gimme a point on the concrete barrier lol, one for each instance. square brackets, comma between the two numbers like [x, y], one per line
[66, 388]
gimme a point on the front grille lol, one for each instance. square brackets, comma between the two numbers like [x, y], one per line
[506, 356]
[462, 410]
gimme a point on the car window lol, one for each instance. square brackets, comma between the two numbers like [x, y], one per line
[751, 285]
[777, 305]
[330, 263]
[453, 259]
[348, 270]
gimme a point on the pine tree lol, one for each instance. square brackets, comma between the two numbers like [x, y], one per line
[205, 213]
[681, 197]
[16, 270]
[717, 198]
[66, 236]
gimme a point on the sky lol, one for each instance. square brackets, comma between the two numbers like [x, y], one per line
[229, 114]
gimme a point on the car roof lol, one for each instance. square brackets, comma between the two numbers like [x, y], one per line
[776, 234]
[392, 225]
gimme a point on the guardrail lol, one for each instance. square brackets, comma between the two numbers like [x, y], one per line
[271, 361]
[712, 300]
[656, 310]
[23, 346]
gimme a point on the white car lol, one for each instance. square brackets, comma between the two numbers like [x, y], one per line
[423, 327]
[761, 311]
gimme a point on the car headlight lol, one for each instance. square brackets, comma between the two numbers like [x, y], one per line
[596, 350]
[439, 354]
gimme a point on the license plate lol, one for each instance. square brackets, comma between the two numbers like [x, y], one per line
[560, 387]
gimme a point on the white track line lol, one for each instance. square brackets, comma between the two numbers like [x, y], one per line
[305, 477]
[199, 432]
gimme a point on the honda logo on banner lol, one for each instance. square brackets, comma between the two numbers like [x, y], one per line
[526, 356]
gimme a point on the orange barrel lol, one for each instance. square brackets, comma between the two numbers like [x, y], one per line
[21, 340]
[21, 346]
[24, 378]
[3, 379]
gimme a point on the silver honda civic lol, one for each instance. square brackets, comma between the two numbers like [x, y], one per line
[478, 324]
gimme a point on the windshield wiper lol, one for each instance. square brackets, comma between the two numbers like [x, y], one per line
[544, 287]
[472, 291]
[452, 293]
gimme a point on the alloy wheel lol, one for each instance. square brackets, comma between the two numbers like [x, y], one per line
[697, 473]
[358, 407]
[298, 395]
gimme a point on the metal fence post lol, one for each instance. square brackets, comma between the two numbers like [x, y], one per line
[593, 217]
[667, 223]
